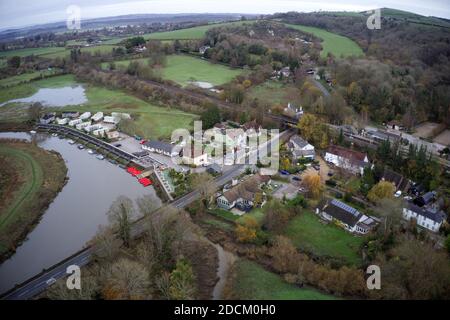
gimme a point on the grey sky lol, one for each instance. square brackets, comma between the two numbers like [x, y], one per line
[16, 13]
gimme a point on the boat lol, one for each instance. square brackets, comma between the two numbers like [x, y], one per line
[100, 157]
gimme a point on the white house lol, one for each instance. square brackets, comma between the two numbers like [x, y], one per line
[82, 125]
[85, 116]
[93, 127]
[74, 122]
[97, 117]
[347, 159]
[346, 216]
[429, 218]
[112, 134]
[300, 148]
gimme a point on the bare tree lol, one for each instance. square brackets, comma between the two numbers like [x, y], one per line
[121, 215]
[34, 111]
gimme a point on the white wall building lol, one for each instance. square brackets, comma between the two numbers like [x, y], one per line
[347, 159]
[111, 119]
[62, 121]
[83, 125]
[85, 116]
[428, 218]
[74, 122]
[97, 117]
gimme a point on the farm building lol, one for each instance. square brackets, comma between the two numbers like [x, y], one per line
[348, 217]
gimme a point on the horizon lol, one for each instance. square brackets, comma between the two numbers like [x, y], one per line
[51, 11]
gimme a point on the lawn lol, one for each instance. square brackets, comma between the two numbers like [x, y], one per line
[188, 33]
[25, 77]
[308, 233]
[256, 213]
[31, 177]
[253, 282]
[151, 121]
[183, 69]
[65, 53]
[336, 44]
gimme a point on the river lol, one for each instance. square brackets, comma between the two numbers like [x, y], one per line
[74, 216]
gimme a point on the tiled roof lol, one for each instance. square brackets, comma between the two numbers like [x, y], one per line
[342, 212]
[347, 153]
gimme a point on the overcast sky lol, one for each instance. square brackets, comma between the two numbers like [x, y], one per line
[17, 13]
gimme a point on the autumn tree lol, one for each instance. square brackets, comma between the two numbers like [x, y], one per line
[313, 183]
[34, 111]
[382, 190]
[246, 231]
[284, 254]
[276, 216]
[121, 215]
[204, 183]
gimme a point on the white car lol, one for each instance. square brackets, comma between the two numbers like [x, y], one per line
[398, 194]
[50, 281]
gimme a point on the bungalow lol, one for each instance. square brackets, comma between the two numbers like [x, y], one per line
[348, 217]
[97, 117]
[400, 182]
[243, 195]
[301, 148]
[160, 147]
[85, 116]
[347, 159]
[429, 218]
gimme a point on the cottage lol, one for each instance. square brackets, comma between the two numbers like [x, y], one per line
[429, 218]
[348, 217]
[160, 147]
[347, 159]
[400, 182]
[300, 148]
[243, 195]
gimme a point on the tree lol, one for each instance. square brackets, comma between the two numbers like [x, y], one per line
[182, 281]
[210, 117]
[204, 183]
[14, 62]
[382, 190]
[390, 210]
[34, 111]
[126, 279]
[276, 216]
[313, 182]
[147, 204]
[284, 254]
[246, 231]
[367, 181]
[121, 214]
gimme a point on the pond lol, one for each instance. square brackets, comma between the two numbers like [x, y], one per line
[74, 216]
[55, 97]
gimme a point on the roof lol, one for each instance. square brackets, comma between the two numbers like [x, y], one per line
[401, 183]
[342, 212]
[155, 144]
[425, 199]
[299, 141]
[303, 153]
[214, 167]
[247, 189]
[430, 213]
[347, 153]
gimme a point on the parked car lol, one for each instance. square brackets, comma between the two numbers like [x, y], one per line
[138, 138]
[296, 178]
[117, 145]
[284, 172]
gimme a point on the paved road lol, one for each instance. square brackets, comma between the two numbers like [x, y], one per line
[321, 87]
[33, 287]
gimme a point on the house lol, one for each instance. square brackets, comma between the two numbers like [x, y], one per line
[47, 118]
[243, 195]
[296, 112]
[97, 117]
[191, 156]
[202, 50]
[400, 182]
[85, 116]
[160, 147]
[112, 134]
[111, 119]
[285, 72]
[91, 128]
[347, 159]
[70, 114]
[301, 148]
[425, 199]
[346, 216]
[100, 132]
[82, 125]
[395, 125]
[429, 218]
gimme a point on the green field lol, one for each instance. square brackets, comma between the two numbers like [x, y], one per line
[336, 44]
[31, 51]
[274, 92]
[308, 233]
[189, 33]
[252, 282]
[25, 77]
[183, 69]
[93, 50]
